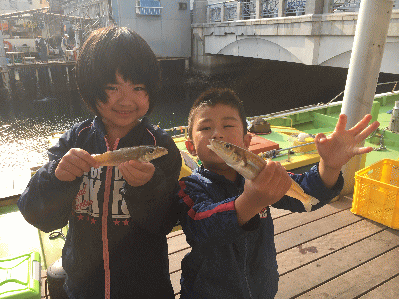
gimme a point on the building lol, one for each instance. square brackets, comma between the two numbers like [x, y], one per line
[164, 24]
[9, 6]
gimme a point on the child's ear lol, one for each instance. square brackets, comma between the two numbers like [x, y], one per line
[247, 140]
[190, 147]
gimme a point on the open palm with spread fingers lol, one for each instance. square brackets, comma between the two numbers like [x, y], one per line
[338, 148]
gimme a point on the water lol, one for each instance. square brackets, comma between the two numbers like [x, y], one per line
[43, 104]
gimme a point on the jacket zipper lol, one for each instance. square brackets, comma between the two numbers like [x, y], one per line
[245, 269]
[104, 225]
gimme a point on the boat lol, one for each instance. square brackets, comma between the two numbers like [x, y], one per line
[289, 135]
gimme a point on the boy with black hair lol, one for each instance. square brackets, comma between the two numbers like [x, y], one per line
[227, 220]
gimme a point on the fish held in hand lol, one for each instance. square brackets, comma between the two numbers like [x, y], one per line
[249, 166]
[142, 153]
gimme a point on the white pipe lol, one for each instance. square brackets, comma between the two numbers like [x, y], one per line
[3, 60]
[368, 49]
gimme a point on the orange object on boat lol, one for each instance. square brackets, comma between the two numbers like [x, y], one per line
[260, 145]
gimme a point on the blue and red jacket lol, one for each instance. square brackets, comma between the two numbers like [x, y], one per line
[116, 244]
[228, 260]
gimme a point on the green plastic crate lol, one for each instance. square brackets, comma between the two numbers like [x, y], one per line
[20, 277]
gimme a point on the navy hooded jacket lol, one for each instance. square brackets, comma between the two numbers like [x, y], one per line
[228, 260]
[117, 233]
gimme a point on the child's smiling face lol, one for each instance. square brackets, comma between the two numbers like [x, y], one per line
[218, 122]
[126, 104]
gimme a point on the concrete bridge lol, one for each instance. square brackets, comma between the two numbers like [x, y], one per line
[314, 32]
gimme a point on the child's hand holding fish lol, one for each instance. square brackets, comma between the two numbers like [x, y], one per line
[270, 185]
[136, 173]
[74, 164]
[133, 162]
[251, 166]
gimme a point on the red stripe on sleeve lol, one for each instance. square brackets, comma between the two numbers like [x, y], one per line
[229, 206]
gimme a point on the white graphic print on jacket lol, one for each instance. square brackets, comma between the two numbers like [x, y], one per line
[86, 202]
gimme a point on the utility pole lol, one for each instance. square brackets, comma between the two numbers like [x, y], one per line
[364, 68]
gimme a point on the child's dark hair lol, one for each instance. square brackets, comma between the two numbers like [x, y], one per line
[212, 97]
[116, 49]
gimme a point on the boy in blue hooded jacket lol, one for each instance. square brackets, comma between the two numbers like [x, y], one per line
[227, 220]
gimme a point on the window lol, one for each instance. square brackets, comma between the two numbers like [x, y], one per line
[182, 6]
[149, 7]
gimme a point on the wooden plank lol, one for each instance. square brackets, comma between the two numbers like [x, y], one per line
[175, 260]
[174, 234]
[44, 285]
[177, 243]
[302, 234]
[327, 268]
[360, 279]
[388, 290]
[278, 212]
[9, 201]
[177, 239]
[297, 219]
[325, 245]
[175, 279]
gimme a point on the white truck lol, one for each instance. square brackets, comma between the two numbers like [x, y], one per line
[20, 45]
[26, 45]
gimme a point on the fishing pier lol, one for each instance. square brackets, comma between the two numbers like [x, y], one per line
[329, 253]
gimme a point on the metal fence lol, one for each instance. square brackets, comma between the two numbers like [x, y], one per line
[269, 9]
[246, 9]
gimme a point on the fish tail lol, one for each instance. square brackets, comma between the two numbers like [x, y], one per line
[307, 205]
[297, 192]
[313, 200]
[310, 201]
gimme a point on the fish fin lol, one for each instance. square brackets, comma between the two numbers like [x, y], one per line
[297, 192]
[307, 206]
[244, 158]
[311, 201]
[256, 167]
[314, 200]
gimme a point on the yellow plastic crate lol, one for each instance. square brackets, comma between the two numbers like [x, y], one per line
[376, 193]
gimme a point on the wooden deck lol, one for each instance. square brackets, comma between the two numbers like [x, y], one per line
[328, 253]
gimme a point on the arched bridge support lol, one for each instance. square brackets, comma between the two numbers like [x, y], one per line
[313, 39]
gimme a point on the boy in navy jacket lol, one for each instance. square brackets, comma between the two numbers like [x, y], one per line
[226, 219]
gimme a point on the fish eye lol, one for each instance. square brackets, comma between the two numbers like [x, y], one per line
[228, 146]
[151, 151]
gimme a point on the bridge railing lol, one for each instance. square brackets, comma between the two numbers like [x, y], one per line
[269, 9]
[346, 6]
[257, 9]
[237, 10]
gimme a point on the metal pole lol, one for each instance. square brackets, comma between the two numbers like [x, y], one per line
[368, 48]
[3, 60]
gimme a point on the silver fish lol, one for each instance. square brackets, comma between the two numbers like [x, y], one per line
[142, 153]
[249, 165]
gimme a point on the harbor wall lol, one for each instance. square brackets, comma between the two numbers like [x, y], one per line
[26, 87]
[23, 86]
